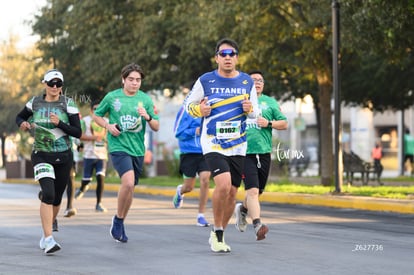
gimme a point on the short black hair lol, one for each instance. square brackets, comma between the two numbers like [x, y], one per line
[256, 72]
[228, 41]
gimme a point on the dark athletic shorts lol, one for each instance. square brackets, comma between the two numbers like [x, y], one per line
[219, 164]
[124, 162]
[256, 171]
[192, 164]
[90, 164]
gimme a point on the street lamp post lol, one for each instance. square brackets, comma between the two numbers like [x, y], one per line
[337, 99]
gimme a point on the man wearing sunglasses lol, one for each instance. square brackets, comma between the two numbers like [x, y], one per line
[54, 118]
[224, 98]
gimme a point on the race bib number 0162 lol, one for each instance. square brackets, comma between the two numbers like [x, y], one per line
[43, 170]
[228, 129]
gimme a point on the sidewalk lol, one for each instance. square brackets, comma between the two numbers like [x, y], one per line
[328, 200]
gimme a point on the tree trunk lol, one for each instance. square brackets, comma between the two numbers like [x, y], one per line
[326, 141]
[3, 147]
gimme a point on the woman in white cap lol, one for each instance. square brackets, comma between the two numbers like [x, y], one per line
[53, 118]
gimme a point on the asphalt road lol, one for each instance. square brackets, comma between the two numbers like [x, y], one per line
[164, 240]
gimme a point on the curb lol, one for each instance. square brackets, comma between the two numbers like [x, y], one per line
[333, 201]
[339, 201]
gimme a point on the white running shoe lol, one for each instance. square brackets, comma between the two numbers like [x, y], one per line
[70, 212]
[241, 222]
[178, 198]
[51, 245]
[42, 244]
[216, 246]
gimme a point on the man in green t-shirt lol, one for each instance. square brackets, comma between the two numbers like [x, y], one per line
[129, 110]
[258, 160]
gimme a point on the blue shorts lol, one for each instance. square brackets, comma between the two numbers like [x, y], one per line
[124, 162]
[90, 164]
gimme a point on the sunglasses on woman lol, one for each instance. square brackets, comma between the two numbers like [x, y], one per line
[53, 83]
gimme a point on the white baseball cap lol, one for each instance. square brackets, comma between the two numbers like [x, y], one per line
[52, 74]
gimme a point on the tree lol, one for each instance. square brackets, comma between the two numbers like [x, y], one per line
[151, 33]
[289, 40]
[19, 80]
[300, 64]
[378, 36]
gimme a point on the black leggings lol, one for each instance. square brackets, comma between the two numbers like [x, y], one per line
[53, 189]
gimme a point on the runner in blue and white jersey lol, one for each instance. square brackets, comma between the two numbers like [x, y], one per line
[224, 98]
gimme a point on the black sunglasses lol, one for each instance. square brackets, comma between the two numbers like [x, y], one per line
[53, 83]
[225, 52]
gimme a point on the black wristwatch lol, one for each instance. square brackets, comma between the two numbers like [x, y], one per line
[269, 124]
[150, 118]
